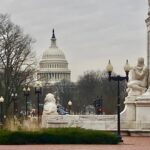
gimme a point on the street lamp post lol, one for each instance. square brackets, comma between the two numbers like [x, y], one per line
[69, 106]
[38, 91]
[98, 104]
[14, 97]
[118, 78]
[26, 91]
[1, 103]
[101, 105]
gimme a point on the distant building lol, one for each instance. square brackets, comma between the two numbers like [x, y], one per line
[53, 67]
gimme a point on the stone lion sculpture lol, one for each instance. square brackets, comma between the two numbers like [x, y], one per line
[50, 107]
[138, 79]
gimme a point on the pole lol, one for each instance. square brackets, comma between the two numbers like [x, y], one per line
[26, 106]
[1, 113]
[38, 96]
[14, 110]
[118, 78]
[69, 110]
[118, 108]
[101, 105]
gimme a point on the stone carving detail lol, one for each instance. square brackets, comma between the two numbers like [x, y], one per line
[145, 96]
[138, 79]
[50, 107]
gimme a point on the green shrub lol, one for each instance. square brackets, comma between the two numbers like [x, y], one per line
[58, 136]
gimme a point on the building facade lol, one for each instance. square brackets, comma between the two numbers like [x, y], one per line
[53, 67]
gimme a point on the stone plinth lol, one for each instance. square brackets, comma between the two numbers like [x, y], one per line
[129, 112]
[143, 111]
[142, 114]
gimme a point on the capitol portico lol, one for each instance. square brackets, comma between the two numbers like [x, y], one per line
[53, 67]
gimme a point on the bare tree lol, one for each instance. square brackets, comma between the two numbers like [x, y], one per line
[15, 53]
[65, 90]
[95, 84]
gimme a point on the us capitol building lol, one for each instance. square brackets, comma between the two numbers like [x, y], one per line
[53, 67]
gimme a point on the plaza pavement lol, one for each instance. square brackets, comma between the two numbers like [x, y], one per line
[130, 143]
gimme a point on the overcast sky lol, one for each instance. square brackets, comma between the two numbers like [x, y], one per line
[88, 31]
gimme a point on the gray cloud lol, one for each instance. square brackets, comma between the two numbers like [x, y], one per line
[89, 31]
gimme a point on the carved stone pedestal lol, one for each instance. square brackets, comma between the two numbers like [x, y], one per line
[129, 112]
[143, 110]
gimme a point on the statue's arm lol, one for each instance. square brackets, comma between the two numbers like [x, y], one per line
[145, 72]
[142, 73]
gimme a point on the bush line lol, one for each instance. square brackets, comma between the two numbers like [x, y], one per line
[58, 136]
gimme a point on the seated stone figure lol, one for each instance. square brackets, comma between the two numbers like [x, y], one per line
[138, 79]
[50, 107]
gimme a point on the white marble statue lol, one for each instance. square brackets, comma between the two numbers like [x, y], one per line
[50, 107]
[138, 79]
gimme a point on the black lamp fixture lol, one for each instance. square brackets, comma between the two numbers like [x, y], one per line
[69, 106]
[1, 106]
[14, 98]
[26, 91]
[118, 78]
[38, 91]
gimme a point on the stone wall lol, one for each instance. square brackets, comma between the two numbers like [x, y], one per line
[97, 122]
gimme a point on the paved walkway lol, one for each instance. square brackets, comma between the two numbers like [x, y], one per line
[130, 143]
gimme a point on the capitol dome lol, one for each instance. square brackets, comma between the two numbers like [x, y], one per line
[53, 67]
[53, 53]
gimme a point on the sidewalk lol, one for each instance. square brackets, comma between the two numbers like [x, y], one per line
[130, 143]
